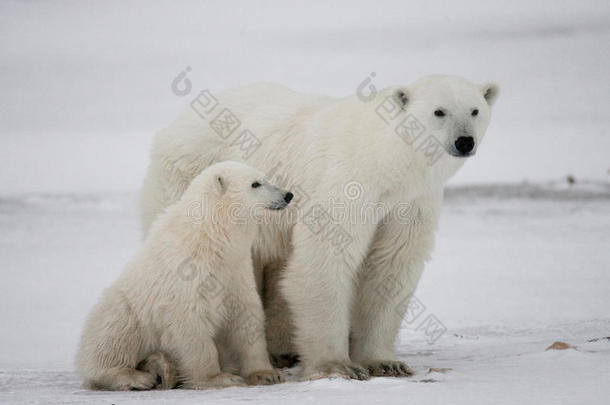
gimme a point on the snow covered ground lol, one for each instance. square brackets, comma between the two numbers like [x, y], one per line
[516, 268]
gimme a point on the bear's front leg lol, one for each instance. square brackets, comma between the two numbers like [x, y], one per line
[318, 284]
[388, 279]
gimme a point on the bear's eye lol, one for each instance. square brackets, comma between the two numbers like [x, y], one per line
[439, 113]
[475, 112]
[256, 184]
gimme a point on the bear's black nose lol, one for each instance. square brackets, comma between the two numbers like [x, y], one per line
[464, 144]
[288, 197]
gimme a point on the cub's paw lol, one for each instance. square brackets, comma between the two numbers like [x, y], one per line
[265, 377]
[389, 368]
[222, 380]
[129, 379]
[331, 369]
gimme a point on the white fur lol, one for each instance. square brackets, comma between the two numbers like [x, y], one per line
[317, 146]
[191, 283]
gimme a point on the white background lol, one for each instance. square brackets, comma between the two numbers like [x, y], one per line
[85, 85]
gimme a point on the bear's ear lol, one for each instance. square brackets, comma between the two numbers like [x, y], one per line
[220, 184]
[401, 96]
[491, 91]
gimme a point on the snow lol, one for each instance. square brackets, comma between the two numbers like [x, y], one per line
[516, 268]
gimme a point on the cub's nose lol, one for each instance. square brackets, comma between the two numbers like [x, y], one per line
[288, 197]
[464, 144]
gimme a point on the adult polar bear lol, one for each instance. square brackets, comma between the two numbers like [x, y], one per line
[346, 300]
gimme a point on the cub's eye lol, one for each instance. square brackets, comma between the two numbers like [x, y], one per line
[439, 113]
[475, 112]
[256, 184]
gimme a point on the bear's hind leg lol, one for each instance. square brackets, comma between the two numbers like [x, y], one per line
[279, 328]
[110, 347]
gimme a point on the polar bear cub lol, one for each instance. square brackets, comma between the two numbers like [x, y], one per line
[189, 286]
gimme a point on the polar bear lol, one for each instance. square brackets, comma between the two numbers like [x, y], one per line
[191, 283]
[335, 287]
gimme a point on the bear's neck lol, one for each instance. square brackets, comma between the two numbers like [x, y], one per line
[412, 162]
[371, 140]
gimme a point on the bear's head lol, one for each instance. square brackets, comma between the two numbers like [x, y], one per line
[449, 111]
[240, 191]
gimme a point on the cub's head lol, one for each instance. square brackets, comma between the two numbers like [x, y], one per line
[451, 109]
[243, 190]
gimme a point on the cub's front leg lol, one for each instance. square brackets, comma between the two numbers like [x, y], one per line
[191, 342]
[244, 310]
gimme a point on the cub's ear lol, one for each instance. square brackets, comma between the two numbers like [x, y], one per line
[402, 97]
[490, 91]
[220, 184]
